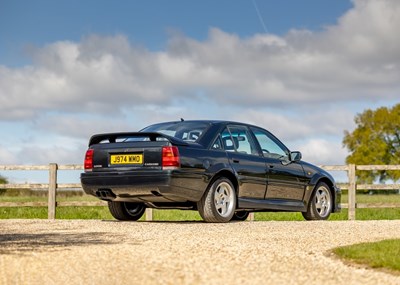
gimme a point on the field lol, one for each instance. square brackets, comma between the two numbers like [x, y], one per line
[101, 212]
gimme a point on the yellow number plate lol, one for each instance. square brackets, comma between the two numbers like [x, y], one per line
[126, 159]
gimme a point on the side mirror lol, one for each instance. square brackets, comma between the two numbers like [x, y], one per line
[295, 156]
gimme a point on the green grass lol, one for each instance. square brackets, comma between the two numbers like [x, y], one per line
[23, 213]
[384, 254]
[376, 198]
[176, 215]
[361, 214]
[61, 213]
[372, 214]
[101, 212]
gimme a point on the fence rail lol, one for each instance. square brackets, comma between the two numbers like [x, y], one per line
[53, 186]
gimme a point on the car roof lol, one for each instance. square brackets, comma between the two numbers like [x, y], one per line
[214, 122]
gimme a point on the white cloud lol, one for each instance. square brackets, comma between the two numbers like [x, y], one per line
[282, 126]
[358, 58]
[58, 153]
[323, 152]
[6, 156]
[297, 85]
[311, 122]
[81, 127]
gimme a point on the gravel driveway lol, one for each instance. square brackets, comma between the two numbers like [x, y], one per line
[111, 252]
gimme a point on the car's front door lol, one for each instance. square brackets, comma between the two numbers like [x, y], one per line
[246, 160]
[286, 179]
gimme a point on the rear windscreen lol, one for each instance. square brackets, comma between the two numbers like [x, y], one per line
[187, 131]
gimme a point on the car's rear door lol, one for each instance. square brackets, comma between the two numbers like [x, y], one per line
[246, 160]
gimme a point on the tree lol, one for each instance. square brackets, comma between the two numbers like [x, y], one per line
[376, 140]
[3, 180]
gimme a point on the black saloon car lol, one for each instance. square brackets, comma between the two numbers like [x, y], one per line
[222, 169]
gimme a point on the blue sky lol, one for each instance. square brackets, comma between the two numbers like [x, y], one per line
[24, 24]
[302, 69]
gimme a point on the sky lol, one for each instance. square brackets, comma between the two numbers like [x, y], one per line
[301, 69]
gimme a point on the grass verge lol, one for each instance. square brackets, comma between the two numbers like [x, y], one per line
[101, 212]
[98, 212]
[381, 255]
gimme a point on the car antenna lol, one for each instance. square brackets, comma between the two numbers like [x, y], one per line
[182, 120]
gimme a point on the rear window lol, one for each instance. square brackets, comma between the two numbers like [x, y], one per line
[187, 131]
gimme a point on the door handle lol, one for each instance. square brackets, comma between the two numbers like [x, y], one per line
[271, 169]
[236, 161]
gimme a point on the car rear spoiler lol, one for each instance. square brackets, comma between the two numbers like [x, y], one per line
[113, 137]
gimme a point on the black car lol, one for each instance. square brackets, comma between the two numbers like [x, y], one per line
[222, 169]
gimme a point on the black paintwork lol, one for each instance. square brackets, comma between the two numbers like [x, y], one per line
[262, 183]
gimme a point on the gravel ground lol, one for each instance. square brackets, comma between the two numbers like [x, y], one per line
[111, 252]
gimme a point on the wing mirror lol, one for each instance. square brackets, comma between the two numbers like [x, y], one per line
[295, 156]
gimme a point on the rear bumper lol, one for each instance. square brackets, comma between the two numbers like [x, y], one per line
[149, 186]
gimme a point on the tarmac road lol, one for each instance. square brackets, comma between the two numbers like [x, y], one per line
[111, 252]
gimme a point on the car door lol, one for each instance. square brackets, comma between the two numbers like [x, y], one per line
[286, 179]
[247, 161]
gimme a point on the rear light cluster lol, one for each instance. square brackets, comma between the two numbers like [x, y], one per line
[89, 160]
[170, 157]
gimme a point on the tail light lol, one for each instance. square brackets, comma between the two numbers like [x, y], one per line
[170, 157]
[89, 159]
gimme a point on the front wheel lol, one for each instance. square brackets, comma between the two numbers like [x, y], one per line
[126, 211]
[320, 204]
[219, 202]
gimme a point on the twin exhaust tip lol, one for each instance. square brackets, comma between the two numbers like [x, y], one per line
[105, 194]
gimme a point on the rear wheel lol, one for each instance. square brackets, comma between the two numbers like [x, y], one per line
[219, 202]
[320, 204]
[126, 211]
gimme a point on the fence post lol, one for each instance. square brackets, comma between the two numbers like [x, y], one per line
[52, 191]
[352, 192]
[251, 217]
[149, 214]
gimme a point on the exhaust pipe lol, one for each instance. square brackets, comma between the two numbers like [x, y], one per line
[105, 194]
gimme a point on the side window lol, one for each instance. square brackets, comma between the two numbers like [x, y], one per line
[242, 140]
[227, 141]
[217, 145]
[269, 145]
[191, 135]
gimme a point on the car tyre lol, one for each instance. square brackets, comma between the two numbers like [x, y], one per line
[320, 204]
[218, 203]
[126, 211]
[240, 216]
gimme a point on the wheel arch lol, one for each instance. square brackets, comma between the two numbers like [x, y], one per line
[330, 184]
[227, 174]
[208, 204]
[317, 178]
[336, 195]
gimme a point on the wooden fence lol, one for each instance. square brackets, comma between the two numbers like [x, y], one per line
[53, 186]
